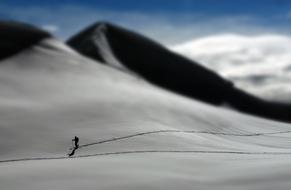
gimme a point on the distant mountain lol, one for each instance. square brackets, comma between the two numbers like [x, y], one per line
[122, 48]
[151, 61]
[15, 36]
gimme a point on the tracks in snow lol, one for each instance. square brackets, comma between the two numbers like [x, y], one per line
[179, 131]
[161, 151]
[148, 151]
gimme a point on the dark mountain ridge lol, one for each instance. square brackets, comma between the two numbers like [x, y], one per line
[15, 36]
[170, 70]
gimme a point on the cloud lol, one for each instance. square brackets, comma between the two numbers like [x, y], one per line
[259, 64]
[50, 28]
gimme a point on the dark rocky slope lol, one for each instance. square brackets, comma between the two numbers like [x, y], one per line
[15, 37]
[169, 70]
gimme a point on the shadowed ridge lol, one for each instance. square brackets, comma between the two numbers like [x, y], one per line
[84, 42]
[15, 36]
[153, 62]
[248, 103]
[170, 70]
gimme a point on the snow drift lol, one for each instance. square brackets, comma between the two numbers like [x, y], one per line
[133, 135]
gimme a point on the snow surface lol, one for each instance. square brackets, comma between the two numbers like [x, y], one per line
[259, 64]
[133, 135]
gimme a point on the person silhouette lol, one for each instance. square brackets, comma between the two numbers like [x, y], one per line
[76, 140]
[76, 143]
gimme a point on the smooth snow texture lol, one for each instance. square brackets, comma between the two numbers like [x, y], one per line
[258, 64]
[49, 94]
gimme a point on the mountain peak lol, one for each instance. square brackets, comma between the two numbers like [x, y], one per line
[16, 36]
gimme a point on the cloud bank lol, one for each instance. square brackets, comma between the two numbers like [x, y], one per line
[259, 64]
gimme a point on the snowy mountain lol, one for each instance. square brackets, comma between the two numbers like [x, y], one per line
[124, 49]
[133, 135]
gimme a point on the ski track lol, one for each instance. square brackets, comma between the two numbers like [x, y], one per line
[149, 151]
[161, 151]
[179, 131]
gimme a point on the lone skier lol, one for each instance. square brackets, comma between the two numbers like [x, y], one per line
[76, 143]
[76, 140]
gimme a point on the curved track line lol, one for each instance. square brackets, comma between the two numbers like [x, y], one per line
[149, 151]
[161, 151]
[178, 131]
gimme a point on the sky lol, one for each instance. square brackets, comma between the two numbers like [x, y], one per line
[168, 21]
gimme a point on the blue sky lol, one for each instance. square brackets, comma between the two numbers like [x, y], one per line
[263, 7]
[169, 21]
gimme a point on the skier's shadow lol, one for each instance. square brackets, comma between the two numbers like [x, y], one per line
[73, 152]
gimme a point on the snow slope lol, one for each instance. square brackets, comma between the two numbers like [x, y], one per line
[133, 135]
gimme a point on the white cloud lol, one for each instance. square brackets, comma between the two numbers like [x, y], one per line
[50, 28]
[258, 64]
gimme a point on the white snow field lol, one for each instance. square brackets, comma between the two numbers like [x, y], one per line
[132, 135]
[259, 64]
